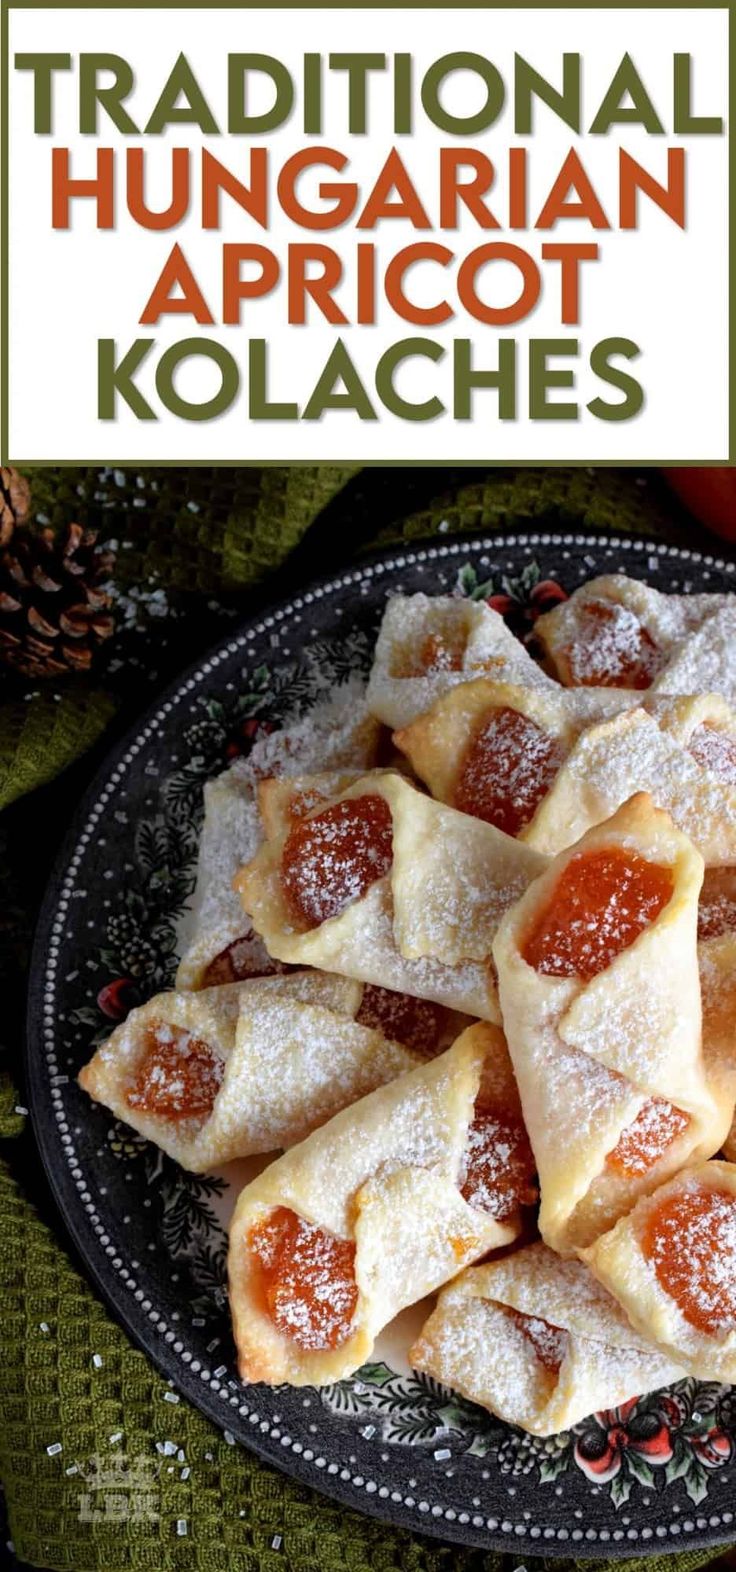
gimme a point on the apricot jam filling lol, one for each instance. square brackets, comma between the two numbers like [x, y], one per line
[716, 751]
[442, 650]
[243, 958]
[415, 1023]
[717, 904]
[305, 801]
[178, 1077]
[548, 1341]
[306, 1278]
[612, 650]
[647, 1138]
[506, 770]
[330, 860]
[690, 1240]
[602, 901]
[499, 1171]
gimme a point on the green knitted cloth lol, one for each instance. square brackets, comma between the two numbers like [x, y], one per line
[77, 1395]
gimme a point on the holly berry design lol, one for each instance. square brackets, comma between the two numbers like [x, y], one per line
[518, 600]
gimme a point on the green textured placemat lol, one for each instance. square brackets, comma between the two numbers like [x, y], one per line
[75, 1382]
[103, 1473]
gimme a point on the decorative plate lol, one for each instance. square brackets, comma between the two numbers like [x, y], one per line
[659, 1473]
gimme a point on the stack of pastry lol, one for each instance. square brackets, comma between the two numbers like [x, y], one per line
[496, 1045]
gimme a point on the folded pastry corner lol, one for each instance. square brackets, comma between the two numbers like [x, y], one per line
[598, 980]
[249, 1068]
[683, 754]
[704, 723]
[616, 631]
[219, 945]
[389, 886]
[284, 800]
[376, 1209]
[606, 634]
[671, 1264]
[429, 643]
[548, 766]
[537, 1341]
[704, 660]
[491, 749]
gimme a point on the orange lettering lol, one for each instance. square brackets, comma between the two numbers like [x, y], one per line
[176, 272]
[102, 188]
[572, 176]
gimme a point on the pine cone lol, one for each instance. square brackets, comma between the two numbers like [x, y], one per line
[54, 612]
[205, 739]
[15, 501]
[135, 953]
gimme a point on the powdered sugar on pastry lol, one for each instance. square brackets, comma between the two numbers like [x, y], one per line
[338, 733]
[600, 1045]
[294, 1066]
[614, 650]
[233, 1071]
[383, 1177]
[715, 751]
[538, 1342]
[425, 927]
[633, 752]
[705, 661]
[428, 644]
[617, 631]
[677, 643]
[672, 1265]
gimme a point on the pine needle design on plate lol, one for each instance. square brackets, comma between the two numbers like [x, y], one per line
[183, 1217]
[684, 1433]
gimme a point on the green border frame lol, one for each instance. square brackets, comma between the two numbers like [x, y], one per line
[380, 5]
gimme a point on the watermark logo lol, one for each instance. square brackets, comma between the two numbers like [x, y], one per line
[118, 1489]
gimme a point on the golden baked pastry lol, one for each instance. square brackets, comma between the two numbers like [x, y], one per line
[539, 1342]
[388, 886]
[372, 1212]
[599, 988]
[672, 1266]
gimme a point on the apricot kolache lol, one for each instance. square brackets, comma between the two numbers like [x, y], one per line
[389, 886]
[243, 1068]
[382, 1205]
[469, 992]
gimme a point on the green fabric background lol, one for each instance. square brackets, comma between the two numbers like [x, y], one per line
[204, 539]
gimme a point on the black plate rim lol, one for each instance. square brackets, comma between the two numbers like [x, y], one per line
[59, 1180]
